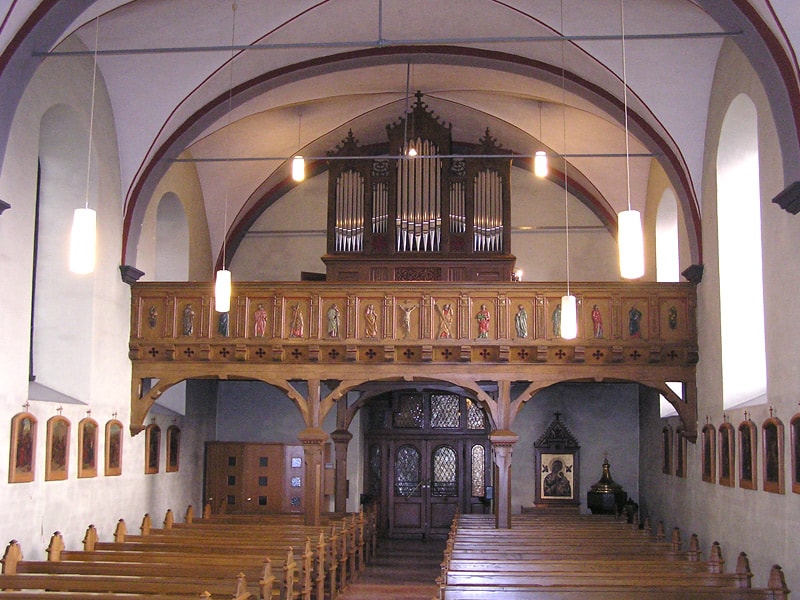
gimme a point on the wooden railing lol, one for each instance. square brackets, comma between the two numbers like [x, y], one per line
[643, 332]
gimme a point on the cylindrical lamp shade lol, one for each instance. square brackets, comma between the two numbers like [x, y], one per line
[631, 244]
[298, 168]
[82, 241]
[540, 163]
[569, 317]
[222, 291]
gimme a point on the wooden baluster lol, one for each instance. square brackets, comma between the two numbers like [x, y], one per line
[676, 540]
[146, 525]
[90, 539]
[333, 565]
[55, 547]
[360, 541]
[267, 580]
[660, 536]
[241, 587]
[308, 566]
[343, 557]
[289, 572]
[120, 531]
[693, 554]
[777, 583]
[169, 519]
[715, 562]
[353, 547]
[189, 517]
[322, 553]
[743, 573]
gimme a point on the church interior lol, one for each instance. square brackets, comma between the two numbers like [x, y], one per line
[421, 211]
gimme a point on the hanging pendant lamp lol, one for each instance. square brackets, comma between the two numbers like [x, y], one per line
[298, 162]
[569, 304]
[222, 285]
[83, 236]
[540, 168]
[630, 237]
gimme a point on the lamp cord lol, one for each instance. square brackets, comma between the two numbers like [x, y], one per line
[91, 110]
[564, 133]
[625, 104]
[404, 150]
[228, 140]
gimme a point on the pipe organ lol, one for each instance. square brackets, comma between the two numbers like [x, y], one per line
[429, 216]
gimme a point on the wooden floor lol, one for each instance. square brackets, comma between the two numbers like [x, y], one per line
[402, 570]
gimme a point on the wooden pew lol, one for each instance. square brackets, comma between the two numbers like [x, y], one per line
[573, 556]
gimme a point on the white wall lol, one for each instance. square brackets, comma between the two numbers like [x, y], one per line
[91, 365]
[762, 524]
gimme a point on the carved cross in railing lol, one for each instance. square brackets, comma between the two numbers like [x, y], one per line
[189, 353]
[260, 353]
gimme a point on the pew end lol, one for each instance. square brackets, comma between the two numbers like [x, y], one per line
[11, 558]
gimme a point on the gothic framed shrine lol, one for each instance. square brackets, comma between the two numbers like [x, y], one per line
[556, 455]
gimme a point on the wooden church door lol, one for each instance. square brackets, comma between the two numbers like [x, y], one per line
[428, 458]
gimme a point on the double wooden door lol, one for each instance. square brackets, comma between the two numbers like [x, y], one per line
[430, 481]
[421, 473]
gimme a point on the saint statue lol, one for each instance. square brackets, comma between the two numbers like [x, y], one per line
[521, 322]
[483, 322]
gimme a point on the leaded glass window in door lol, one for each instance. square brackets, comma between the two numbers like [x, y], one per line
[410, 414]
[478, 470]
[374, 485]
[444, 471]
[476, 419]
[407, 471]
[445, 411]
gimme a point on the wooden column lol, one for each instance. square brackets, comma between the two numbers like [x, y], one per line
[502, 448]
[341, 438]
[313, 440]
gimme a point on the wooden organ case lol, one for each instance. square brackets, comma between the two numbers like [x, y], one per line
[429, 217]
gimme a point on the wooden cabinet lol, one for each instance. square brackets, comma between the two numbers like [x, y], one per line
[254, 477]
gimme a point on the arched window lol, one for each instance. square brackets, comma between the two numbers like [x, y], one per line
[172, 240]
[61, 338]
[667, 255]
[744, 370]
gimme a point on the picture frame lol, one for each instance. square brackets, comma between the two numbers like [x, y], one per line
[152, 449]
[772, 438]
[22, 453]
[113, 453]
[87, 447]
[557, 476]
[794, 426]
[748, 452]
[709, 453]
[173, 448]
[727, 455]
[57, 457]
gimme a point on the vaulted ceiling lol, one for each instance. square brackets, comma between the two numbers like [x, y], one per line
[541, 74]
